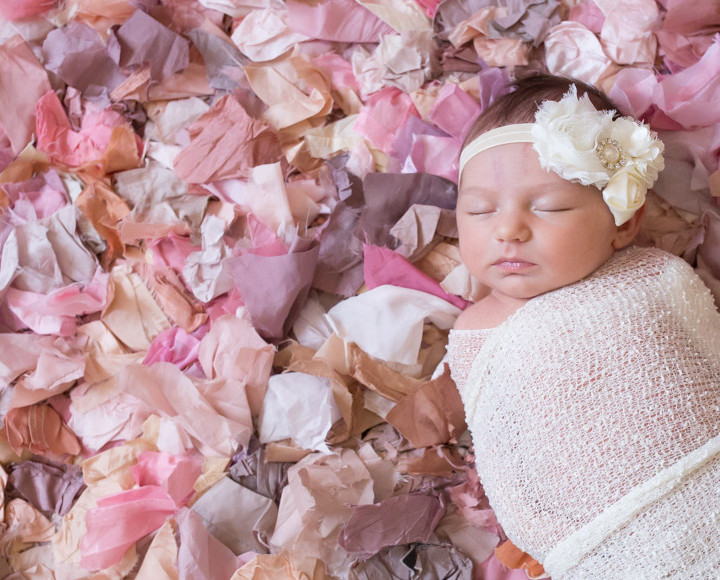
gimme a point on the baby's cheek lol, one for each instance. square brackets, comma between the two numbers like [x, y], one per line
[469, 250]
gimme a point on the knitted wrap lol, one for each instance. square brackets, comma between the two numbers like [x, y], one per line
[595, 413]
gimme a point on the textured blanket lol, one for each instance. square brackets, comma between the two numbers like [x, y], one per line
[595, 413]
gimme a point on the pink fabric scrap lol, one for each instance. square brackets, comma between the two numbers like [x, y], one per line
[224, 305]
[434, 155]
[692, 97]
[233, 349]
[573, 50]
[19, 67]
[383, 266]
[633, 91]
[6, 152]
[171, 251]
[454, 111]
[25, 9]
[338, 69]
[56, 313]
[56, 137]
[627, 35]
[493, 569]
[119, 521]
[274, 288]
[265, 241]
[336, 20]
[226, 143]
[176, 474]
[430, 7]
[214, 413]
[589, 15]
[384, 113]
[404, 142]
[493, 84]
[687, 31]
[175, 346]
[46, 192]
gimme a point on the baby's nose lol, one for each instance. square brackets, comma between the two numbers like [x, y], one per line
[512, 227]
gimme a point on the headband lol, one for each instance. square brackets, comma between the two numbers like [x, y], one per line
[622, 157]
[501, 136]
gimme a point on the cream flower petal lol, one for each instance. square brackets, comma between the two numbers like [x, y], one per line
[624, 195]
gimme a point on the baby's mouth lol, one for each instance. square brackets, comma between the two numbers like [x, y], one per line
[513, 264]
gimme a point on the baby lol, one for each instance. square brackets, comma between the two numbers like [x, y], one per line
[590, 368]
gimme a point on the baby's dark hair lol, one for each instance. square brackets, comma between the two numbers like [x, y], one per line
[526, 96]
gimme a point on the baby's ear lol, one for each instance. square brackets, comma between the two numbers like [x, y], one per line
[626, 232]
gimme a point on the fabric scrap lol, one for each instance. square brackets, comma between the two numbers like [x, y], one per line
[50, 488]
[402, 519]
[264, 35]
[76, 53]
[321, 488]
[388, 196]
[383, 266]
[298, 406]
[214, 413]
[40, 429]
[240, 518]
[233, 349]
[335, 20]
[387, 322]
[119, 521]
[274, 288]
[159, 562]
[432, 415]
[144, 40]
[216, 153]
[200, 555]
[20, 67]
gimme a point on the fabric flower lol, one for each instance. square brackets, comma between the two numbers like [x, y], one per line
[625, 193]
[622, 157]
[566, 133]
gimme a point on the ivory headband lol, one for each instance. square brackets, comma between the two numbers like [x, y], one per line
[520, 133]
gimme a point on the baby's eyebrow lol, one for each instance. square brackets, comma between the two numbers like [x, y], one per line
[475, 190]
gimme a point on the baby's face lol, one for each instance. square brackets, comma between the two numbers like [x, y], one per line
[525, 231]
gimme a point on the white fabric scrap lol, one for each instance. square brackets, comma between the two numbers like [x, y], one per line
[169, 124]
[311, 328]
[47, 254]
[264, 35]
[301, 407]
[205, 271]
[387, 322]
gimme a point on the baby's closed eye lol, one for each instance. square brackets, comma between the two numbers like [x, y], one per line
[553, 209]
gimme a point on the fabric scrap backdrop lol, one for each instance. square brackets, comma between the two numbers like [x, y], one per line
[229, 265]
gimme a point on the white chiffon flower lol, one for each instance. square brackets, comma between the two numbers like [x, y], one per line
[622, 157]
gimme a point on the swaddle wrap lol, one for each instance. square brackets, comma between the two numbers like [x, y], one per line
[595, 416]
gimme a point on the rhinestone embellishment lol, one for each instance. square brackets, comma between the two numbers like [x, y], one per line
[610, 154]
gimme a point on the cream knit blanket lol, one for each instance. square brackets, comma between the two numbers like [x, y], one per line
[595, 414]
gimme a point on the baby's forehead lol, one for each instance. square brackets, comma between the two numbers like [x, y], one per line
[476, 189]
